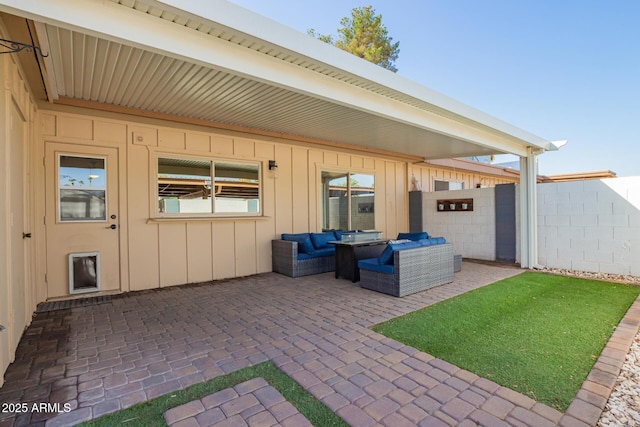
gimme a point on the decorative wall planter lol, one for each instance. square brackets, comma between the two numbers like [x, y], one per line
[454, 205]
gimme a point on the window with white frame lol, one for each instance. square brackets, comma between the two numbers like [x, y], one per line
[82, 188]
[447, 185]
[200, 187]
[347, 201]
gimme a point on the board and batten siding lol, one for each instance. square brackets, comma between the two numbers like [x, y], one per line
[427, 175]
[18, 294]
[165, 252]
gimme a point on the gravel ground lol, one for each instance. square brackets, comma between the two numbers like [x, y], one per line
[619, 278]
[623, 406]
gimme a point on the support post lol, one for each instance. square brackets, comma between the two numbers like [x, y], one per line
[528, 210]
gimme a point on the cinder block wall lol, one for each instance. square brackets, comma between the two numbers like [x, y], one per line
[472, 233]
[590, 225]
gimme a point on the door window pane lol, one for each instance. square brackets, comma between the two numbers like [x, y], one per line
[82, 188]
[334, 201]
[348, 201]
[362, 213]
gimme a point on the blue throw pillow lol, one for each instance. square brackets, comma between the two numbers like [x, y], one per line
[320, 240]
[415, 236]
[304, 242]
[386, 257]
[432, 241]
[405, 245]
[294, 237]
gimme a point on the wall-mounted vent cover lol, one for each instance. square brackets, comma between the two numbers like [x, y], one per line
[84, 272]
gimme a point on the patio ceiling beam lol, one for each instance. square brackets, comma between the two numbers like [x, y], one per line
[120, 24]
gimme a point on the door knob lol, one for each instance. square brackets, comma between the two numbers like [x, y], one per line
[113, 226]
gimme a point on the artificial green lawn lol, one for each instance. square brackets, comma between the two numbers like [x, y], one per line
[538, 334]
[151, 413]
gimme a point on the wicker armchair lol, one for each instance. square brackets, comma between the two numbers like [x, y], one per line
[285, 260]
[414, 270]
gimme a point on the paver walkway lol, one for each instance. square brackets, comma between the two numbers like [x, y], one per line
[251, 403]
[103, 358]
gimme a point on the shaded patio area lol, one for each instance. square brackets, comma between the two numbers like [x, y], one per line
[135, 347]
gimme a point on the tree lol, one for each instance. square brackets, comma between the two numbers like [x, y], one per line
[364, 35]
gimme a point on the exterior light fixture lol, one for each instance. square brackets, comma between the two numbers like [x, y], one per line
[273, 167]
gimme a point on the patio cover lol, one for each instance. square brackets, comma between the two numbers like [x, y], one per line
[213, 63]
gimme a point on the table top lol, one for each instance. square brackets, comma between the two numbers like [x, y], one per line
[361, 243]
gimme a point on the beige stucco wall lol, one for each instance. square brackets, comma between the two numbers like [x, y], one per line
[154, 252]
[17, 293]
[164, 252]
[427, 175]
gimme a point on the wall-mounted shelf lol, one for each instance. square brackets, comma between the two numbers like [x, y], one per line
[454, 205]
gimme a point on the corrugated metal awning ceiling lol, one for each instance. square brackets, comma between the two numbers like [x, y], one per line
[103, 71]
[107, 69]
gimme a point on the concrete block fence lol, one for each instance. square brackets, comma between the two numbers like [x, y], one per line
[591, 225]
[472, 233]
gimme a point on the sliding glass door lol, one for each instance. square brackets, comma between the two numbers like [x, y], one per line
[347, 201]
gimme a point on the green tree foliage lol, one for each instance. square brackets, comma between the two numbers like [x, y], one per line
[364, 35]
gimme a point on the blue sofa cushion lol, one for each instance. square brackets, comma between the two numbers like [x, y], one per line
[413, 236]
[386, 257]
[432, 241]
[329, 251]
[304, 242]
[320, 240]
[371, 264]
[318, 253]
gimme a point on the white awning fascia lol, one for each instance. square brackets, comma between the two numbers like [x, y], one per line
[273, 32]
[114, 22]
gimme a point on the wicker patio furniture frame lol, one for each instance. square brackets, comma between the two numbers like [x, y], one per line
[285, 260]
[415, 270]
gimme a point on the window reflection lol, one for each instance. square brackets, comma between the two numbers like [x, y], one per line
[348, 201]
[185, 186]
[237, 188]
[82, 189]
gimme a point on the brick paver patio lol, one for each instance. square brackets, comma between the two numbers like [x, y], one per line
[102, 358]
[251, 403]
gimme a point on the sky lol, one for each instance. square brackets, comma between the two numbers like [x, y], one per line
[559, 69]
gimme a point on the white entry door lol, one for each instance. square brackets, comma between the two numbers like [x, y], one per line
[82, 219]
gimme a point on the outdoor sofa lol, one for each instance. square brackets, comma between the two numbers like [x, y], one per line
[302, 254]
[408, 267]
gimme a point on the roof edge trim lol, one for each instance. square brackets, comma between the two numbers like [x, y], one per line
[272, 32]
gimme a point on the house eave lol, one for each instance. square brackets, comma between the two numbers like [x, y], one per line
[381, 110]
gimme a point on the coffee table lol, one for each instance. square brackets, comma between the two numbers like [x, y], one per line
[348, 254]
